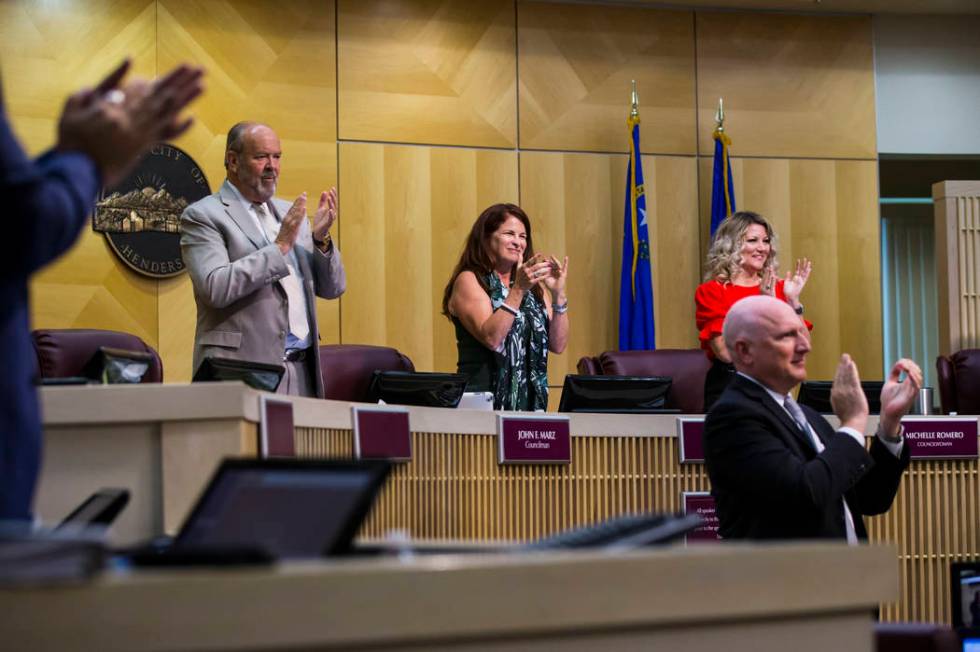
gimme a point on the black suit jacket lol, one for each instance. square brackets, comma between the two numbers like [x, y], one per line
[768, 481]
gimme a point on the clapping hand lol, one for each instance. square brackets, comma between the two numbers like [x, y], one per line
[326, 214]
[768, 284]
[289, 228]
[897, 396]
[115, 124]
[556, 277]
[796, 280]
[846, 396]
[531, 271]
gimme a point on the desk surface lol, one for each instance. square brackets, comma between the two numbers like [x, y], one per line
[104, 404]
[434, 601]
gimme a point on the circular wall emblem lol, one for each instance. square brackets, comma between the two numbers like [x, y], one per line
[140, 217]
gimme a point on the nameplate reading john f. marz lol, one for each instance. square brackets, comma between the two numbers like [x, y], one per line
[534, 440]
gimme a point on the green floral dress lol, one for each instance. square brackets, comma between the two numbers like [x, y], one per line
[520, 381]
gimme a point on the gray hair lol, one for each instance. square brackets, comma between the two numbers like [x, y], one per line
[725, 257]
[236, 138]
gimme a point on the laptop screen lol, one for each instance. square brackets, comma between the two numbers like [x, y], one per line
[965, 594]
[289, 508]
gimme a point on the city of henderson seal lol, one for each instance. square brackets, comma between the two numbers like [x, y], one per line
[140, 216]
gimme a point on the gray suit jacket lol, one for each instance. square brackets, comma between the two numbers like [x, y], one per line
[242, 311]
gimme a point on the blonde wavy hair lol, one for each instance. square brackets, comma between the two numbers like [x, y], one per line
[725, 257]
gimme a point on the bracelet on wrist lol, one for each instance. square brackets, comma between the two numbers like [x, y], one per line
[560, 310]
[323, 244]
[507, 308]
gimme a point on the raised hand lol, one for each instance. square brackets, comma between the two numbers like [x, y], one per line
[846, 396]
[768, 284]
[326, 214]
[115, 125]
[291, 222]
[531, 271]
[898, 395]
[556, 277]
[796, 280]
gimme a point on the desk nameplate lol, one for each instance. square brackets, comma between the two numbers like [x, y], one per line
[276, 430]
[941, 437]
[534, 440]
[381, 433]
[690, 439]
[702, 504]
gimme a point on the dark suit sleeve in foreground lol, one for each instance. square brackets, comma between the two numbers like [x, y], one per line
[45, 206]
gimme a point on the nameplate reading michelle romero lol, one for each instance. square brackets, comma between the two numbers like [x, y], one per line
[941, 437]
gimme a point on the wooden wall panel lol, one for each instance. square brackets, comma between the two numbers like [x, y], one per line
[575, 84]
[825, 210]
[407, 211]
[957, 235]
[47, 52]
[576, 202]
[432, 71]
[445, 71]
[273, 63]
[793, 85]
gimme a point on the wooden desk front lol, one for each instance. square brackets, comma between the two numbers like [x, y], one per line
[164, 442]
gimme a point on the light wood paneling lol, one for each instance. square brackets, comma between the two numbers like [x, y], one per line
[47, 52]
[431, 71]
[827, 211]
[575, 66]
[793, 85]
[407, 211]
[957, 228]
[576, 204]
[273, 63]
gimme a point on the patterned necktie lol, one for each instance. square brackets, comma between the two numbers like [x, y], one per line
[299, 324]
[796, 412]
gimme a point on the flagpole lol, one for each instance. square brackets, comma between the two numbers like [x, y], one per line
[635, 111]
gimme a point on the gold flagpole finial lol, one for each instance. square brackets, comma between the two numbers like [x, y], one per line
[720, 115]
[635, 111]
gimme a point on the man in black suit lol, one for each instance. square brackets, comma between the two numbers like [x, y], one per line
[781, 471]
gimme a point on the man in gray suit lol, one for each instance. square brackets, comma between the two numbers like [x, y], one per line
[257, 266]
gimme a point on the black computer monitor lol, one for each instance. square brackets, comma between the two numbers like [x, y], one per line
[288, 508]
[964, 585]
[429, 389]
[816, 394]
[259, 375]
[623, 394]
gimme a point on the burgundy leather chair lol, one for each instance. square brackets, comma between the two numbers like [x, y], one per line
[348, 368]
[959, 381]
[62, 353]
[915, 637]
[687, 368]
[589, 366]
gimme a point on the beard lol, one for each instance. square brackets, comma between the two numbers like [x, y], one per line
[264, 187]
